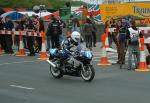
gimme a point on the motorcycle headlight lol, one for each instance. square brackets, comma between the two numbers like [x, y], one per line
[88, 54]
[53, 52]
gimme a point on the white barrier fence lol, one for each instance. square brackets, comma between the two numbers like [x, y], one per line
[24, 33]
[145, 30]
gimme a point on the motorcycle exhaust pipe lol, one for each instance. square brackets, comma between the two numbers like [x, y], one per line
[51, 63]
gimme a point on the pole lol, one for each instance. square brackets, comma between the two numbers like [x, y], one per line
[40, 11]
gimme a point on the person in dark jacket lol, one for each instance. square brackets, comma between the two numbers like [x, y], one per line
[75, 25]
[41, 28]
[63, 27]
[9, 42]
[69, 25]
[48, 35]
[23, 27]
[88, 29]
[55, 30]
[122, 30]
[94, 31]
[2, 36]
[30, 39]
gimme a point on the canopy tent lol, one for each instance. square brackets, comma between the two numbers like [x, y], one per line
[30, 13]
[13, 15]
[7, 9]
[56, 14]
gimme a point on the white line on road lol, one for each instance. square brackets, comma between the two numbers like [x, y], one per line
[8, 63]
[111, 61]
[22, 87]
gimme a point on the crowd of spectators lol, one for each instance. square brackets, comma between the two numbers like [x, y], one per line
[56, 31]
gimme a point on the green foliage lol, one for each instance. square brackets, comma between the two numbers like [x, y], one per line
[76, 3]
[54, 4]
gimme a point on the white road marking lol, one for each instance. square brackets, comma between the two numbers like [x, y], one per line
[22, 87]
[8, 63]
[111, 61]
[108, 56]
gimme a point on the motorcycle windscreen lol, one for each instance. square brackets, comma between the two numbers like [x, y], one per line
[87, 54]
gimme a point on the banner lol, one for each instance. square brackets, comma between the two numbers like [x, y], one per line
[138, 11]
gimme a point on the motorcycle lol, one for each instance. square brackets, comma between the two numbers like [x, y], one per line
[76, 63]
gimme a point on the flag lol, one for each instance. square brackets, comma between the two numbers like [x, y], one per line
[94, 10]
[78, 12]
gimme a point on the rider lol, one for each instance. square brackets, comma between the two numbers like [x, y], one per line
[74, 40]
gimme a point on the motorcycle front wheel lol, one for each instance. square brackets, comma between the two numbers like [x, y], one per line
[88, 73]
[56, 73]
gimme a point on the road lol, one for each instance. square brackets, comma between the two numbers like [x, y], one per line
[28, 80]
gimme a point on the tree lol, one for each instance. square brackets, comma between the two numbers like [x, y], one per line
[54, 4]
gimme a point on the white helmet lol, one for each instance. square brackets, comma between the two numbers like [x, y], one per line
[76, 36]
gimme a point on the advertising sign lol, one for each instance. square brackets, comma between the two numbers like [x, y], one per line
[138, 11]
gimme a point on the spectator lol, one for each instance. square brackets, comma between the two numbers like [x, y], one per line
[69, 25]
[30, 39]
[133, 35]
[55, 30]
[49, 34]
[94, 30]
[88, 29]
[38, 40]
[129, 22]
[112, 35]
[9, 42]
[41, 28]
[21, 27]
[2, 37]
[16, 38]
[122, 29]
[24, 20]
[75, 25]
[63, 26]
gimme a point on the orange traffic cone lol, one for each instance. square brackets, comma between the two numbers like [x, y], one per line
[103, 38]
[21, 52]
[142, 67]
[104, 60]
[106, 39]
[43, 54]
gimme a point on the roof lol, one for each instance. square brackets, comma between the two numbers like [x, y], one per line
[30, 13]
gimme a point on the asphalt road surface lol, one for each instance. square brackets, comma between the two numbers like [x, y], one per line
[28, 80]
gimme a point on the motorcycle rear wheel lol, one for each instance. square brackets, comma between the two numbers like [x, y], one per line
[56, 73]
[88, 73]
